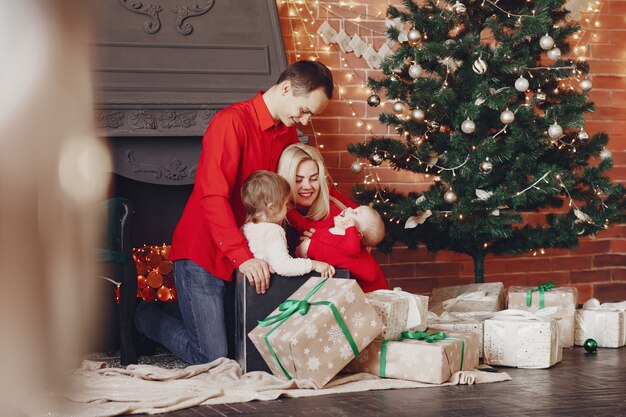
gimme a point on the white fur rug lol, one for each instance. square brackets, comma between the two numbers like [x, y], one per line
[101, 391]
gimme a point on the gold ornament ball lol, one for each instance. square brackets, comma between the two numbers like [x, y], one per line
[450, 197]
[486, 166]
[373, 100]
[414, 35]
[356, 167]
[540, 97]
[507, 117]
[398, 107]
[546, 42]
[585, 84]
[417, 115]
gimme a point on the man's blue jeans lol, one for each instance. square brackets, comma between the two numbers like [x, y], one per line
[201, 336]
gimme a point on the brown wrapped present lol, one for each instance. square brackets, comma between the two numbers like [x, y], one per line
[399, 310]
[317, 331]
[547, 295]
[521, 339]
[460, 322]
[605, 323]
[478, 298]
[419, 356]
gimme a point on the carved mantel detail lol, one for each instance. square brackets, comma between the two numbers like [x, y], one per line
[182, 13]
[188, 122]
[174, 170]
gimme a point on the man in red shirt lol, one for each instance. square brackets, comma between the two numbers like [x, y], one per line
[208, 244]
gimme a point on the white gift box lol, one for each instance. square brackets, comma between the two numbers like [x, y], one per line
[460, 322]
[564, 298]
[478, 298]
[399, 310]
[605, 323]
[521, 339]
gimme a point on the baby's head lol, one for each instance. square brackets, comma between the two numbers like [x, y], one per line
[265, 195]
[366, 220]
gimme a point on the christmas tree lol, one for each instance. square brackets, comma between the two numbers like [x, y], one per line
[484, 100]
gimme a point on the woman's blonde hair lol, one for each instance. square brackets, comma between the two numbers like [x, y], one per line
[264, 194]
[288, 165]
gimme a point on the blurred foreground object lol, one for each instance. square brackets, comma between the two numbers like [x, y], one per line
[53, 171]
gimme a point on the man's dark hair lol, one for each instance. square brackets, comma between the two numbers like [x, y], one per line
[307, 76]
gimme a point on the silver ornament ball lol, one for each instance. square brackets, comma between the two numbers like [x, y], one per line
[450, 197]
[554, 54]
[414, 35]
[585, 84]
[582, 135]
[417, 115]
[540, 97]
[394, 78]
[555, 131]
[507, 117]
[376, 159]
[459, 8]
[356, 167]
[398, 107]
[605, 154]
[479, 66]
[468, 126]
[373, 100]
[486, 166]
[521, 84]
[546, 42]
[415, 71]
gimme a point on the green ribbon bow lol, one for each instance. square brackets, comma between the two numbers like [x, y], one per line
[542, 288]
[416, 335]
[289, 307]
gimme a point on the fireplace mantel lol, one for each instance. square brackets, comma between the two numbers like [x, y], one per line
[165, 67]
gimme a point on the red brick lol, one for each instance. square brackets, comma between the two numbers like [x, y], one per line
[617, 7]
[451, 280]
[403, 254]
[610, 293]
[618, 245]
[559, 278]
[399, 271]
[598, 275]
[525, 265]
[609, 260]
[588, 246]
[585, 292]
[618, 274]
[415, 286]
[570, 263]
[509, 279]
[431, 269]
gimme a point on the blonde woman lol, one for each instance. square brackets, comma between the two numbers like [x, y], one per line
[317, 206]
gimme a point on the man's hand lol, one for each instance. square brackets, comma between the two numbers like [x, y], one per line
[258, 274]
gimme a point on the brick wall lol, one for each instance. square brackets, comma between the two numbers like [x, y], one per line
[597, 268]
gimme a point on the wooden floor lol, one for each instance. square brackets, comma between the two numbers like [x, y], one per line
[582, 385]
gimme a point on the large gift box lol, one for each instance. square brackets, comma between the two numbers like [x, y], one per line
[317, 331]
[521, 339]
[548, 295]
[399, 310]
[605, 323]
[460, 322]
[479, 298]
[419, 356]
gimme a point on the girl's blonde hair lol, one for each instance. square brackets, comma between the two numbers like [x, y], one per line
[290, 159]
[264, 194]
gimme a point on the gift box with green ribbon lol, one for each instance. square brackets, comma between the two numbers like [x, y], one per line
[545, 295]
[605, 323]
[317, 331]
[460, 322]
[521, 339]
[470, 298]
[399, 310]
[429, 356]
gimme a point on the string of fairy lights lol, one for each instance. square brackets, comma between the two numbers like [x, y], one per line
[301, 10]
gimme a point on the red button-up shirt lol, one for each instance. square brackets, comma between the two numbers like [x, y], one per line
[240, 140]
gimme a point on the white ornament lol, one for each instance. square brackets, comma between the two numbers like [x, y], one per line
[479, 66]
[546, 42]
[450, 197]
[507, 117]
[459, 8]
[356, 167]
[414, 36]
[605, 154]
[415, 71]
[450, 63]
[398, 107]
[555, 131]
[483, 195]
[417, 115]
[554, 54]
[486, 166]
[521, 84]
[468, 126]
[582, 135]
[585, 84]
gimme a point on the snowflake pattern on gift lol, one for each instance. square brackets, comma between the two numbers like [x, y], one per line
[326, 349]
[310, 331]
[408, 357]
[335, 334]
[358, 319]
[286, 336]
[345, 352]
[349, 296]
[307, 351]
[313, 363]
[293, 341]
[366, 340]
[330, 365]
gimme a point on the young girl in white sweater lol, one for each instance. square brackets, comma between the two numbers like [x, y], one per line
[265, 196]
